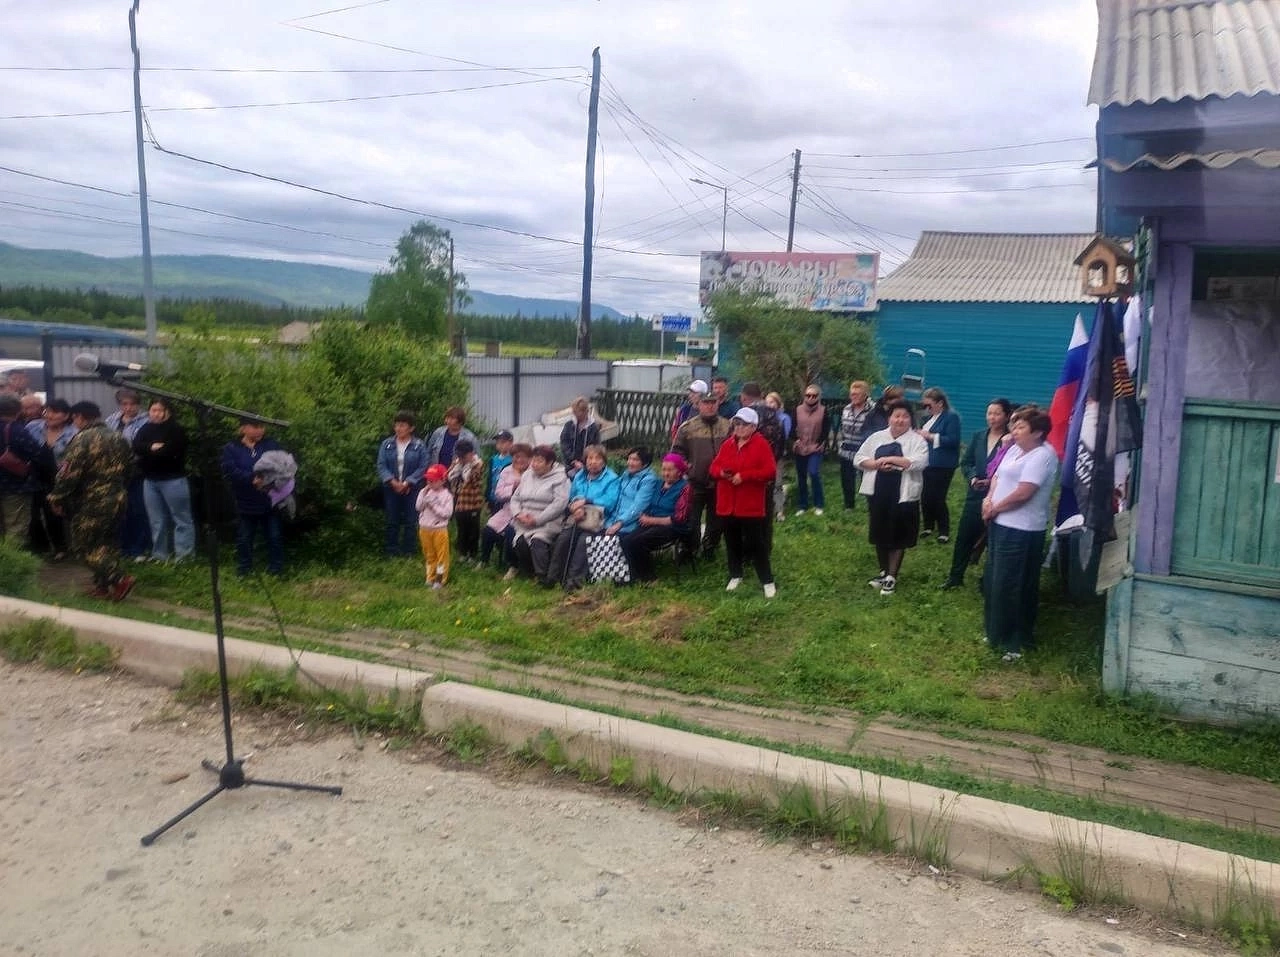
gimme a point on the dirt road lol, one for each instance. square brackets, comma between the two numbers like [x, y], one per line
[418, 857]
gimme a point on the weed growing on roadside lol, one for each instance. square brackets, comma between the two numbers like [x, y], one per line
[1246, 916]
[929, 840]
[468, 741]
[54, 646]
[261, 687]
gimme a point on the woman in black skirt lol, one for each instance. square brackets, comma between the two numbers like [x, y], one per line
[892, 461]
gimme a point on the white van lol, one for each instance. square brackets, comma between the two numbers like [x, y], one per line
[35, 375]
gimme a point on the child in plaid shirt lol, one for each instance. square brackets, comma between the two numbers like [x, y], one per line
[467, 480]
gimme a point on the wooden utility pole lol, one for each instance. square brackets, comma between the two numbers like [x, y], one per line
[795, 192]
[593, 118]
[148, 290]
[454, 344]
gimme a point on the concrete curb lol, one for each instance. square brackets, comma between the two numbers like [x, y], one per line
[981, 837]
[163, 653]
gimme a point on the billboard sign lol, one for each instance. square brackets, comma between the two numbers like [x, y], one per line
[826, 282]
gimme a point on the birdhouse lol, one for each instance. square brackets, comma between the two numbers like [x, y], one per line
[1106, 269]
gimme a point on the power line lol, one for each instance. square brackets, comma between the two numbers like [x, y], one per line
[283, 70]
[944, 192]
[252, 106]
[974, 149]
[325, 13]
[404, 209]
[943, 169]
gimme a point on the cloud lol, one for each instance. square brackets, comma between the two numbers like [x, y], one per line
[719, 90]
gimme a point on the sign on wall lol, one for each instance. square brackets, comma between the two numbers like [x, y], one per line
[827, 282]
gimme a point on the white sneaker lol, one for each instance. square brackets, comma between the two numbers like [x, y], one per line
[878, 580]
[799, 512]
[770, 590]
[817, 511]
[510, 576]
[733, 584]
[888, 585]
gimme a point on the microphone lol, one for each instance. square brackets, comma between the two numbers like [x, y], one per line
[88, 362]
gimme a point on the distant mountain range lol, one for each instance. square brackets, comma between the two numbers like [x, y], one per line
[236, 277]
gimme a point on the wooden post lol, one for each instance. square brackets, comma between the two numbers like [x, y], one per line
[148, 290]
[593, 118]
[795, 192]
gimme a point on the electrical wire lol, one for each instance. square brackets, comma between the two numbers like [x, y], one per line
[404, 209]
[254, 106]
[328, 71]
[974, 149]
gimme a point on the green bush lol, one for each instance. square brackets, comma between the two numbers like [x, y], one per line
[339, 393]
[18, 570]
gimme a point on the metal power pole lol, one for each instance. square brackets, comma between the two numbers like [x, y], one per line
[148, 290]
[593, 119]
[795, 192]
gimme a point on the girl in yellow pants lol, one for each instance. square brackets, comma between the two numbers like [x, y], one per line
[435, 508]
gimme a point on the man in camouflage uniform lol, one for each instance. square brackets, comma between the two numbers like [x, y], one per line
[90, 491]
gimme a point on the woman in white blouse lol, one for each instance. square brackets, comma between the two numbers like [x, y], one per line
[1017, 511]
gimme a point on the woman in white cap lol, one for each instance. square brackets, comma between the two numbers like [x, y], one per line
[743, 469]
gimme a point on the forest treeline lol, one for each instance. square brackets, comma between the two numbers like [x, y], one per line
[94, 307]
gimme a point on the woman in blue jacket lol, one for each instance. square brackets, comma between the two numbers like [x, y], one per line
[402, 460]
[942, 431]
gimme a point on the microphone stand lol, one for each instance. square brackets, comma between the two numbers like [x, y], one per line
[231, 774]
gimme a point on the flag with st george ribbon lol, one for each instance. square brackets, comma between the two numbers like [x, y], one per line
[1064, 402]
[1106, 420]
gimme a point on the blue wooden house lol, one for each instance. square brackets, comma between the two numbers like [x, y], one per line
[1189, 163]
[992, 312]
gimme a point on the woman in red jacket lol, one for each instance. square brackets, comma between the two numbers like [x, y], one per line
[742, 470]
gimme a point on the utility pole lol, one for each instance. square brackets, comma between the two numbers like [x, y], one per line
[148, 290]
[795, 192]
[453, 329]
[593, 118]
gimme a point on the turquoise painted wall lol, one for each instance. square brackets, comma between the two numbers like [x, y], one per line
[975, 351]
[979, 350]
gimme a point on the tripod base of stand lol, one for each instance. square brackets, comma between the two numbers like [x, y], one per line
[231, 776]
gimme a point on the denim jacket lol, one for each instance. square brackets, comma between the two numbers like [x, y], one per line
[415, 461]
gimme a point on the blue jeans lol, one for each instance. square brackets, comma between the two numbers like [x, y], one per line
[135, 527]
[807, 470]
[247, 528]
[169, 511]
[402, 522]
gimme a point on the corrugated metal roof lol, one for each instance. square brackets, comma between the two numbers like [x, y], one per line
[1151, 50]
[989, 267]
[1267, 158]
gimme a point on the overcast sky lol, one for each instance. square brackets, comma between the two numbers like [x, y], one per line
[910, 115]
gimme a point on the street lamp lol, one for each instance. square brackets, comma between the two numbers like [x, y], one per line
[724, 219]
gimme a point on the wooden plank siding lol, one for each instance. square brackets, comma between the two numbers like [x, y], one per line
[1213, 653]
[1162, 419]
[1227, 518]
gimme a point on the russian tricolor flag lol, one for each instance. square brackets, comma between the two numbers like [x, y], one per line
[1064, 397]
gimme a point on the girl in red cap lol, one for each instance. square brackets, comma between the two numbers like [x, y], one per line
[435, 508]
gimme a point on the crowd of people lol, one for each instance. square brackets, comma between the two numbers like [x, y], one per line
[562, 517]
[114, 488]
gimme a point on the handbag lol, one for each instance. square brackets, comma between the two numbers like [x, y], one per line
[606, 561]
[592, 518]
[11, 462]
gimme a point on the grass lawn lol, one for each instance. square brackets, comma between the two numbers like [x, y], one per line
[827, 640]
